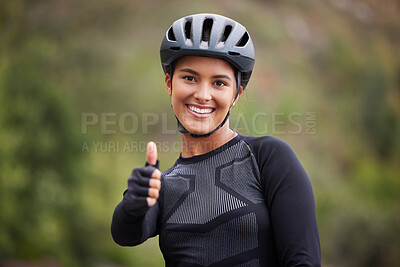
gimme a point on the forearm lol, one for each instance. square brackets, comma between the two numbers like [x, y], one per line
[125, 230]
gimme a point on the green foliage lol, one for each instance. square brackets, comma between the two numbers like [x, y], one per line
[40, 161]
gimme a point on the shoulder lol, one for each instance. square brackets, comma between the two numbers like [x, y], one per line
[266, 145]
[273, 155]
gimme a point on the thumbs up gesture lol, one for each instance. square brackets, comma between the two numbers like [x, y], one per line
[144, 185]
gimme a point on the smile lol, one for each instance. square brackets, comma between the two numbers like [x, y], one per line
[200, 111]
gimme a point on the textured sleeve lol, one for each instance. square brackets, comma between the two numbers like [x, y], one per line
[290, 200]
[130, 231]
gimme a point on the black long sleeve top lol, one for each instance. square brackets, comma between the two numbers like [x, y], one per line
[246, 203]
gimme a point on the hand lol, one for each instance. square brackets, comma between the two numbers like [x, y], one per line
[143, 185]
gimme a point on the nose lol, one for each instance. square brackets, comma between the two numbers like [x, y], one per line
[203, 93]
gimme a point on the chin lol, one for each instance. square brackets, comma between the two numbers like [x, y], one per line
[199, 130]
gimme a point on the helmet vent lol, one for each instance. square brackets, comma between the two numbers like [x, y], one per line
[207, 25]
[171, 34]
[227, 32]
[233, 53]
[243, 41]
[188, 29]
[175, 48]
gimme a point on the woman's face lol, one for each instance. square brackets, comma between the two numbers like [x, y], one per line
[203, 89]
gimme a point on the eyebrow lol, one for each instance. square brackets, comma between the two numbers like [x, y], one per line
[221, 76]
[190, 71]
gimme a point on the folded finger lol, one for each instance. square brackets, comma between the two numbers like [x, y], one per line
[156, 174]
[151, 201]
[155, 183]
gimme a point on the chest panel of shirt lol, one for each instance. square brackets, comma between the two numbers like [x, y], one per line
[211, 201]
[197, 193]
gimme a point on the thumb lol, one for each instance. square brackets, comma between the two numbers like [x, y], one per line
[151, 153]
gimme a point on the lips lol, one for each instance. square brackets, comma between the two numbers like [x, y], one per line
[199, 111]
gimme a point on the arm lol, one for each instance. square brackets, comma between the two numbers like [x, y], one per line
[130, 231]
[135, 217]
[290, 200]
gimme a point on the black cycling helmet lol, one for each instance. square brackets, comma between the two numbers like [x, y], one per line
[210, 35]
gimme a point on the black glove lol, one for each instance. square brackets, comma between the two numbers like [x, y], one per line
[135, 197]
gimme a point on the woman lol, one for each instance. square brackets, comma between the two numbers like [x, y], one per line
[229, 200]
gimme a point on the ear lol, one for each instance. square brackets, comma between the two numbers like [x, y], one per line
[168, 83]
[237, 98]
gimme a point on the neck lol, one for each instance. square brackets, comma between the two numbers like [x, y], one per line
[192, 146]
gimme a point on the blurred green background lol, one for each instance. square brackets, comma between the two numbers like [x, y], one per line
[326, 80]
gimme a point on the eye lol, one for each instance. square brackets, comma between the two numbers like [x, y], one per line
[189, 78]
[220, 83]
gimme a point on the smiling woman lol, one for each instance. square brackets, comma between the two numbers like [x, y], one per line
[229, 200]
[204, 91]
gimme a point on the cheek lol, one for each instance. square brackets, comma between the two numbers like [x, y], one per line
[178, 96]
[225, 100]
[180, 91]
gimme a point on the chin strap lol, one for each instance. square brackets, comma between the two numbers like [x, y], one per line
[183, 130]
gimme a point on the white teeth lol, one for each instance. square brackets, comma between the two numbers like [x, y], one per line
[200, 110]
